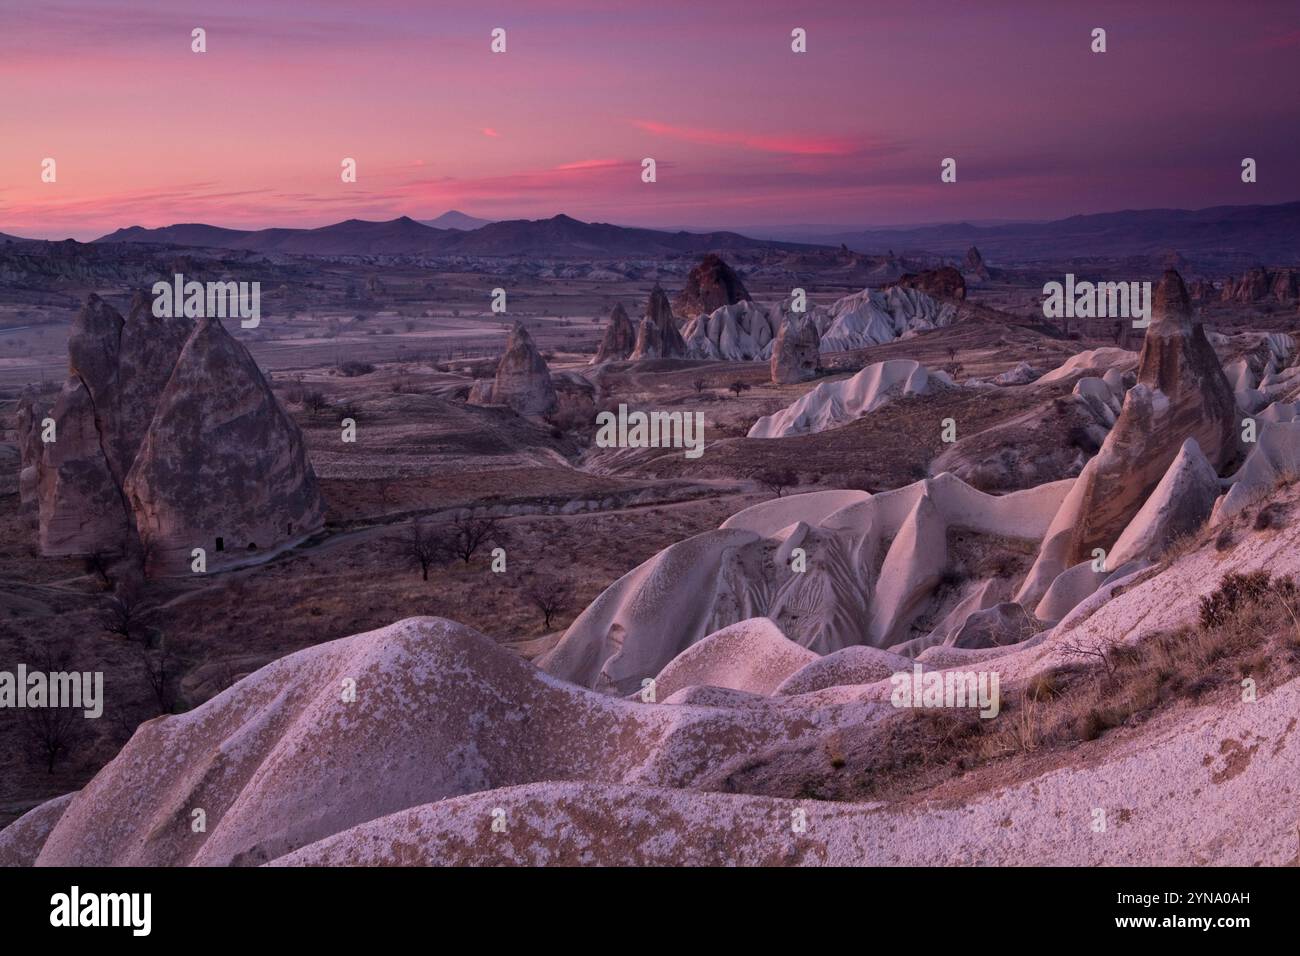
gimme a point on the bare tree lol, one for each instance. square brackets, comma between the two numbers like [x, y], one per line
[50, 732]
[157, 667]
[125, 613]
[550, 597]
[738, 386]
[776, 480]
[314, 401]
[467, 534]
[1096, 649]
[699, 385]
[422, 548]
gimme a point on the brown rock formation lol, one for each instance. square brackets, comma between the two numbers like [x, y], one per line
[796, 352]
[222, 466]
[523, 379]
[710, 285]
[32, 408]
[81, 504]
[974, 263]
[945, 283]
[620, 337]
[130, 388]
[657, 335]
[1284, 286]
[1253, 287]
[1181, 393]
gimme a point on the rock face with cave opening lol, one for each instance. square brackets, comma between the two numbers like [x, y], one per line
[221, 457]
[164, 431]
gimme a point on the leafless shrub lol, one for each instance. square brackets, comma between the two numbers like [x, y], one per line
[314, 401]
[468, 533]
[157, 667]
[50, 733]
[776, 480]
[422, 548]
[126, 614]
[550, 597]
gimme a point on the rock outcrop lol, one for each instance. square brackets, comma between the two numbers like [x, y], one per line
[1021, 374]
[1181, 393]
[875, 571]
[117, 370]
[942, 283]
[657, 335]
[974, 265]
[81, 505]
[832, 404]
[743, 332]
[1259, 285]
[796, 353]
[710, 285]
[873, 317]
[32, 410]
[620, 337]
[222, 467]
[130, 395]
[523, 380]
[1180, 504]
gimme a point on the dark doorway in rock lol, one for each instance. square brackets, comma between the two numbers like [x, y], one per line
[252, 546]
[221, 544]
[288, 529]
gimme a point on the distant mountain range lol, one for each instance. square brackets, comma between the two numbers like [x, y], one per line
[1219, 233]
[559, 236]
[1221, 236]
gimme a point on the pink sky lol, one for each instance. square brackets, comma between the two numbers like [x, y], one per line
[744, 131]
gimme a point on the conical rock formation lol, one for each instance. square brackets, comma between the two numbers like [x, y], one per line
[221, 460]
[710, 285]
[620, 337]
[1181, 393]
[523, 380]
[657, 335]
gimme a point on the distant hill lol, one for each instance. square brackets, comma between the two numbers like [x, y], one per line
[1219, 233]
[565, 236]
[356, 237]
[454, 219]
[1225, 236]
[559, 236]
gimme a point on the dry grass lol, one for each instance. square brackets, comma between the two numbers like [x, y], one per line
[1251, 629]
